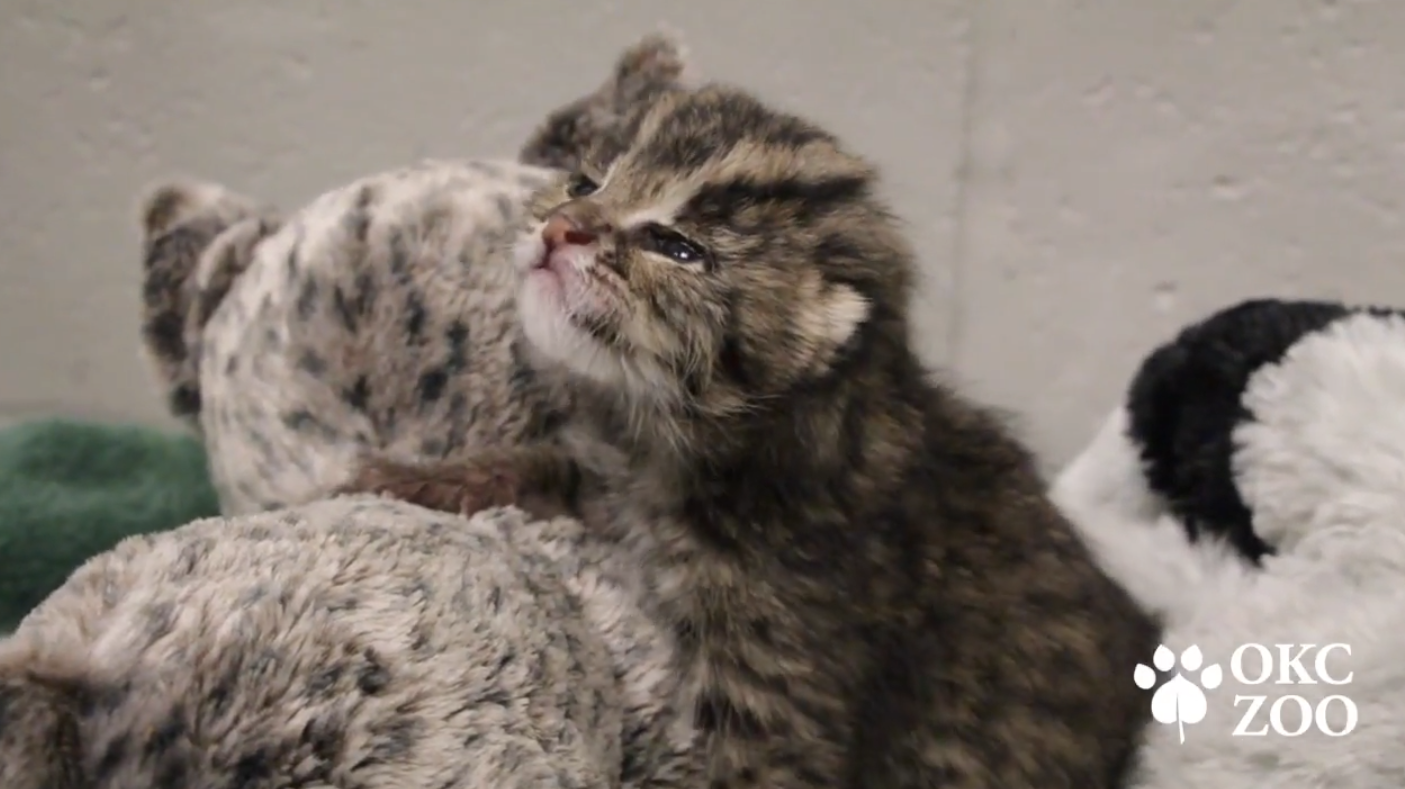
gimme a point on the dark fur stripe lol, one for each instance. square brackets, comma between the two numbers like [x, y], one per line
[721, 122]
[715, 712]
[805, 199]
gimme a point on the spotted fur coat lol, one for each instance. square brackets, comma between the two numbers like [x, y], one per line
[377, 317]
[380, 316]
[351, 642]
[339, 643]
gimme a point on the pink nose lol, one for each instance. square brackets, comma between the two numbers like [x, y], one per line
[562, 231]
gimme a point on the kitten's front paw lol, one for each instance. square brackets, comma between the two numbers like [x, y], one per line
[464, 488]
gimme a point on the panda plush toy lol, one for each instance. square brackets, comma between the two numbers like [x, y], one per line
[1251, 491]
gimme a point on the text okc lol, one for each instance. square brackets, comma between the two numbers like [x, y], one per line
[1291, 664]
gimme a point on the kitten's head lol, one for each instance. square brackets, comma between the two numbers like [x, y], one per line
[726, 253]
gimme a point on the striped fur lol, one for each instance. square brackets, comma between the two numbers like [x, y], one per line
[866, 582]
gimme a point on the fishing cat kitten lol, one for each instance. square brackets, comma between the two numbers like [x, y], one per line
[866, 580]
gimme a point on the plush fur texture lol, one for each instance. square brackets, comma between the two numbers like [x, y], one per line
[868, 583]
[1185, 402]
[375, 317]
[350, 642]
[1295, 409]
[381, 316]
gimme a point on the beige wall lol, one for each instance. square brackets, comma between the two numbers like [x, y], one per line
[1081, 176]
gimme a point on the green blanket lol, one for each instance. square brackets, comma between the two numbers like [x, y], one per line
[72, 489]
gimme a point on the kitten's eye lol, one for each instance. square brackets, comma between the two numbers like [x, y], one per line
[674, 246]
[580, 186]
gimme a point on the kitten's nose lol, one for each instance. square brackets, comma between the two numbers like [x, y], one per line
[561, 230]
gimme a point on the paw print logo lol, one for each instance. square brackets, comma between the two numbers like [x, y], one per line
[1180, 700]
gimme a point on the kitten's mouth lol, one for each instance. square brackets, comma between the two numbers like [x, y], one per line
[568, 312]
[555, 273]
[582, 290]
[562, 263]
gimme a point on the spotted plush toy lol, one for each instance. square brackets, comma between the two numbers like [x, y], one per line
[352, 642]
[378, 317]
[1252, 491]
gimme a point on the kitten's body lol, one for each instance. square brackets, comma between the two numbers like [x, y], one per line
[866, 580]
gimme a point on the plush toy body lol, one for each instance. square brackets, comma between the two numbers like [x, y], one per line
[351, 642]
[380, 316]
[1252, 491]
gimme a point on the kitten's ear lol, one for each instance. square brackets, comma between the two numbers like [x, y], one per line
[657, 62]
[829, 321]
[602, 119]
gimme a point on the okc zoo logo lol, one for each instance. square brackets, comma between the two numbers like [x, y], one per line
[1181, 699]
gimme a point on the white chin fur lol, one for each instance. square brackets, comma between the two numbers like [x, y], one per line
[546, 326]
[542, 307]
[551, 333]
[544, 304]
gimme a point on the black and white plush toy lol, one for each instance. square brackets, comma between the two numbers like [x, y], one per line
[1251, 490]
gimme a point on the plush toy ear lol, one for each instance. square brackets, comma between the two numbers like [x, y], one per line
[39, 733]
[196, 239]
[649, 68]
[1326, 446]
[1186, 401]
